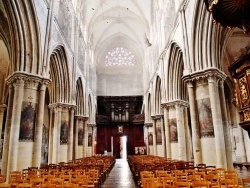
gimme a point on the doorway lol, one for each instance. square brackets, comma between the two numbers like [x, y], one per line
[119, 147]
[123, 147]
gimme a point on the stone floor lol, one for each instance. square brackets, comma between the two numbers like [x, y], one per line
[121, 176]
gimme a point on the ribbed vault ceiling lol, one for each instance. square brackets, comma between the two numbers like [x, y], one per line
[117, 23]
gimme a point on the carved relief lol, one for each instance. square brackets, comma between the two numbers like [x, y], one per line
[243, 91]
[246, 114]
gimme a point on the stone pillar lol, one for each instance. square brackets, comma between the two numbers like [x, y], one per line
[146, 137]
[148, 125]
[39, 126]
[85, 136]
[226, 125]
[91, 127]
[7, 133]
[78, 119]
[217, 120]
[154, 136]
[71, 133]
[179, 107]
[57, 126]
[194, 124]
[2, 109]
[18, 84]
[51, 135]
[163, 135]
[167, 131]
[55, 130]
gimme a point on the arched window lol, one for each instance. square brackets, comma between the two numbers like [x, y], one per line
[120, 56]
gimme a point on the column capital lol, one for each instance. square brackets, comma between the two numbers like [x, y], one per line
[93, 125]
[173, 104]
[205, 74]
[158, 116]
[79, 117]
[31, 80]
[148, 124]
[3, 107]
[62, 105]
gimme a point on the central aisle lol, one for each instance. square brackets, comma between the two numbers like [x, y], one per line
[120, 176]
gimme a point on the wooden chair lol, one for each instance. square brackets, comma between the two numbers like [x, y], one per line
[37, 182]
[181, 176]
[213, 180]
[246, 182]
[146, 182]
[191, 178]
[182, 184]
[202, 175]
[2, 178]
[168, 182]
[14, 181]
[226, 183]
[24, 185]
[70, 185]
[48, 185]
[58, 182]
[201, 183]
[233, 176]
[5, 185]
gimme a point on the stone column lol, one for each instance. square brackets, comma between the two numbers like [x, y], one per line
[194, 123]
[85, 136]
[217, 119]
[179, 107]
[51, 135]
[55, 136]
[167, 131]
[18, 84]
[7, 132]
[91, 127]
[147, 125]
[163, 135]
[146, 137]
[154, 136]
[2, 109]
[76, 153]
[39, 126]
[58, 130]
[226, 125]
[71, 134]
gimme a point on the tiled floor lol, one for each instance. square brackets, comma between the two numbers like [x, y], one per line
[121, 176]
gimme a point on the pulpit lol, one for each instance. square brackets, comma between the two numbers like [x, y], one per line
[230, 13]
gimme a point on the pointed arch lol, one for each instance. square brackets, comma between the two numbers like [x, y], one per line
[176, 88]
[90, 107]
[59, 75]
[79, 98]
[24, 37]
[149, 107]
[208, 40]
[158, 96]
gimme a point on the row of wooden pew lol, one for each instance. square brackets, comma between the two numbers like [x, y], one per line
[158, 172]
[84, 172]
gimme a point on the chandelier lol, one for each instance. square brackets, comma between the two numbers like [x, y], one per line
[230, 13]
